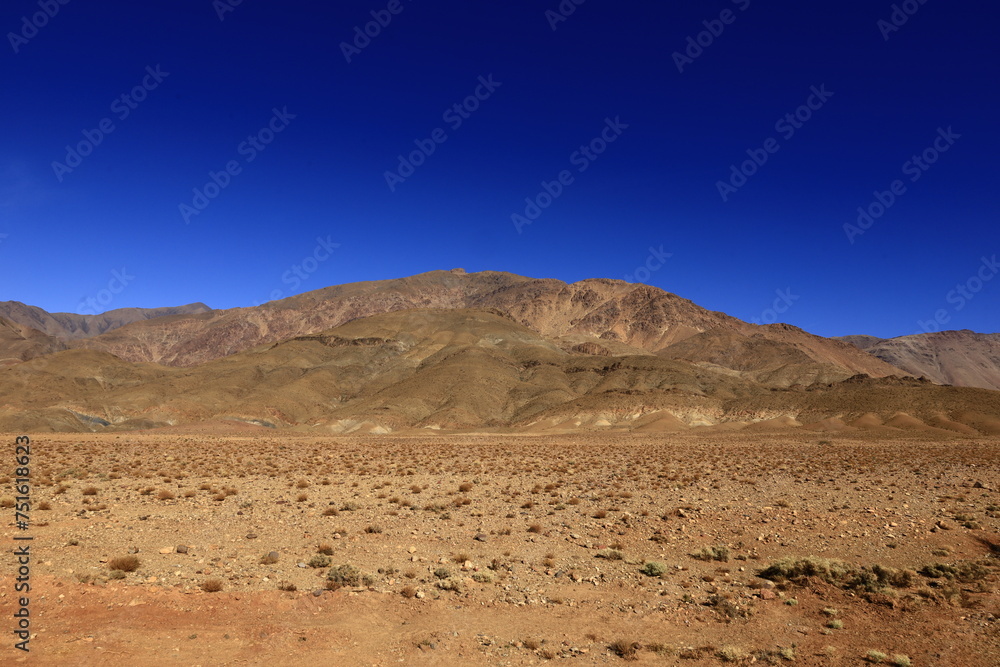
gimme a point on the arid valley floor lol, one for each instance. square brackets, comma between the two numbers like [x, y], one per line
[667, 549]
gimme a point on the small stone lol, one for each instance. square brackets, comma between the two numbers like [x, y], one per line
[767, 594]
[167, 550]
[182, 549]
[480, 537]
[251, 536]
[318, 592]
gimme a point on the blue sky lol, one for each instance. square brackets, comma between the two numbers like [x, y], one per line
[234, 153]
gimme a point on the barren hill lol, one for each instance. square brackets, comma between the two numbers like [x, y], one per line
[962, 358]
[72, 326]
[20, 343]
[461, 369]
[618, 316]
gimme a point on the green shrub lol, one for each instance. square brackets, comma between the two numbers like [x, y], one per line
[654, 569]
[719, 553]
[319, 560]
[455, 584]
[872, 579]
[344, 575]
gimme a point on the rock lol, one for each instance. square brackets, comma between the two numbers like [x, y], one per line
[182, 549]
[412, 550]
[480, 537]
[133, 550]
[167, 550]
[767, 594]
[251, 536]
[318, 592]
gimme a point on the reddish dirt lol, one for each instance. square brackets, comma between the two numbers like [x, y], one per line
[532, 588]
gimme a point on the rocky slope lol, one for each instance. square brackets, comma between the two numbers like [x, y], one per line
[962, 358]
[620, 316]
[20, 343]
[73, 326]
[463, 369]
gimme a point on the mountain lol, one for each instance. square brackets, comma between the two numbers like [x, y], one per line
[488, 350]
[71, 326]
[962, 358]
[20, 343]
[613, 315]
[468, 369]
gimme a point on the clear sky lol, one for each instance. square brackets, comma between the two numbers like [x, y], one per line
[591, 139]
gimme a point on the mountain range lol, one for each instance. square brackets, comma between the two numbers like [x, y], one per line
[488, 350]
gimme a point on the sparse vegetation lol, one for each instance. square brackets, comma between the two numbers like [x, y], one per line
[719, 553]
[128, 563]
[873, 579]
[346, 575]
[319, 561]
[211, 585]
[624, 649]
[654, 569]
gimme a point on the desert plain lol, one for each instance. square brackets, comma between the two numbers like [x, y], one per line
[235, 545]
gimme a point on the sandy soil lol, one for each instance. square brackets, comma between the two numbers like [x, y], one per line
[506, 550]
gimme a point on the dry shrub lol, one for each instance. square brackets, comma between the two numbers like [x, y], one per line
[211, 585]
[124, 563]
[624, 649]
